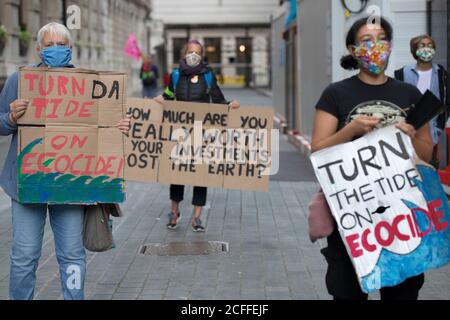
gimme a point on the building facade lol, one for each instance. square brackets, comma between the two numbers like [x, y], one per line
[99, 43]
[236, 35]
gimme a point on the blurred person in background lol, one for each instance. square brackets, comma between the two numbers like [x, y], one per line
[193, 81]
[427, 75]
[149, 76]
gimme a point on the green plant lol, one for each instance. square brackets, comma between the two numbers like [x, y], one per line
[24, 37]
[3, 32]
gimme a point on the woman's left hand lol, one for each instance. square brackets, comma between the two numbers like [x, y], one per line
[235, 104]
[407, 129]
[124, 125]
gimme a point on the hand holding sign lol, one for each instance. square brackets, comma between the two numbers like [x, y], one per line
[124, 125]
[363, 125]
[159, 99]
[18, 109]
[407, 129]
[235, 104]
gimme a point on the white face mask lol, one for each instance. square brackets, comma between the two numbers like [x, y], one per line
[193, 59]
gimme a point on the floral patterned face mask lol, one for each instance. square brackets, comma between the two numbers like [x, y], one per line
[426, 54]
[373, 55]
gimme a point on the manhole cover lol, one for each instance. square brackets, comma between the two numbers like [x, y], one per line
[184, 248]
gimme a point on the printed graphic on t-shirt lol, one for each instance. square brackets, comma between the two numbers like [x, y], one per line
[388, 113]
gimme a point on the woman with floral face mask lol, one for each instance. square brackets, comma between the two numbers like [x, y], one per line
[426, 75]
[341, 116]
[193, 81]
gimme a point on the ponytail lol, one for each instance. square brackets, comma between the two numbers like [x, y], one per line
[349, 62]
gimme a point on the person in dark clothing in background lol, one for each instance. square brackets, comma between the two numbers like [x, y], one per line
[149, 76]
[194, 81]
[427, 75]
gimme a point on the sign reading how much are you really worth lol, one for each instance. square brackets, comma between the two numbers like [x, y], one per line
[70, 150]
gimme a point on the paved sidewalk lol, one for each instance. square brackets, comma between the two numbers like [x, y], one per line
[270, 255]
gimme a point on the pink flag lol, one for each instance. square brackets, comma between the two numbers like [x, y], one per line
[132, 48]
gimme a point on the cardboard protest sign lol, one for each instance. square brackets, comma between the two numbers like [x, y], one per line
[69, 151]
[390, 208]
[197, 144]
[72, 96]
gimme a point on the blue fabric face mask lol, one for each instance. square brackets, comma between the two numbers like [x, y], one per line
[57, 56]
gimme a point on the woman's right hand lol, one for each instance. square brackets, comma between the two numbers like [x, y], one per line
[363, 125]
[18, 109]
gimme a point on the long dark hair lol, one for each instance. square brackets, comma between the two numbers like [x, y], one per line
[349, 62]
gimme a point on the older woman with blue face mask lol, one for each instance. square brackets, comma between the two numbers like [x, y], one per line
[54, 47]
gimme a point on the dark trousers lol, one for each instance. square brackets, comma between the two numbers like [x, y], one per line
[199, 198]
[342, 282]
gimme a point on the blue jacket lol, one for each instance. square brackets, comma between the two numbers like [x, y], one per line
[8, 177]
[411, 76]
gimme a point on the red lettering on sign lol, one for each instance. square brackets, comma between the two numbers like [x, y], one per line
[395, 223]
[65, 167]
[85, 113]
[39, 104]
[56, 103]
[80, 87]
[121, 166]
[384, 242]
[49, 83]
[31, 80]
[47, 86]
[88, 171]
[69, 111]
[59, 142]
[62, 85]
[75, 160]
[76, 140]
[437, 215]
[354, 245]
[365, 243]
[103, 166]
[434, 216]
[27, 162]
[421, 233]
[41, 160]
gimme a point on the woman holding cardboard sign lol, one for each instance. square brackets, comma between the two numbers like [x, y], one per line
[338, 120]
[193, 81]
[28, 221]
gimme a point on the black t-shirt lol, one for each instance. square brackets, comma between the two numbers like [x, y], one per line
[350, 97]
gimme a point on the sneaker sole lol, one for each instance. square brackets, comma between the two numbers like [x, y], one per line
[198, 230]
[176, 224]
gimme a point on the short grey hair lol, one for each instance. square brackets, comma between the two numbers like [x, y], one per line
[54, 28]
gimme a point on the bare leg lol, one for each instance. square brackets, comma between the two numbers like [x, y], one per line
[197, 214]
[175, 207]
[175, 212]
